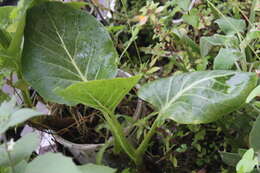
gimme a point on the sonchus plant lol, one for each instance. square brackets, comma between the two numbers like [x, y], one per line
[69, 58]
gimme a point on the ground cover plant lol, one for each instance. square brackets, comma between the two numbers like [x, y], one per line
[187, 102]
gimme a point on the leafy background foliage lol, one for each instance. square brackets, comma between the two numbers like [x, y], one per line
[159, 39]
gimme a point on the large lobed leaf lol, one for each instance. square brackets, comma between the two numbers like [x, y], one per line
[198, 97]
[63, 46]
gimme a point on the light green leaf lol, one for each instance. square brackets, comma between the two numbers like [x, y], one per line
[57, 163]
[230, 25]
[184, 4]
[91, 168]
[5, 16]
[18, 15]
[247, 163]
[193, 98]
[22, 149]
[251, 35]
[254, 136]
[192, 18]
[52, 163]
[253, 94]
[206, 43]
[20, 167]
[226, 58]
[11, 115]
[103, 95]
[58, 53]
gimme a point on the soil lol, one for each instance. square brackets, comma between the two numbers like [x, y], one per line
[85, 125]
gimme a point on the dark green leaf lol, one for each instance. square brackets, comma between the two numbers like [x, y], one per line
[185, 39]
[5, 39]
[58, 53]
[193, 98]
[230, 159]
[254, 136]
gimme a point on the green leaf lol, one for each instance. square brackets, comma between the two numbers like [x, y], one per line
[206, 43]
[58, 53]
[184, 4]
[254, 136]
[18, 15]
[52, 163]
[230, 159]
[251, 35]
[103, 95]
[230, 25]
[247, 163]
[192, 18]
[20, 167]
[5, 16]
[91, 168]
[193, 98]
[22, 149]
[226, 58]
[11, 115]
[77, 5]
[253, 94]
[185, 39]
[57, 163]
[5, 39]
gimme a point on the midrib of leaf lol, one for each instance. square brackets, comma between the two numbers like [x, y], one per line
[66, 50]
[182, 91]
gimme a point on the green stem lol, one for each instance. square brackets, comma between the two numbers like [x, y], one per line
[8, 154]
[25, 93]
[145, 143]
[119, 136]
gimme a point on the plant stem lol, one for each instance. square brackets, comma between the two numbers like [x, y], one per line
[8, 154]
[145, 143]
[118, 133]
[25, 93]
